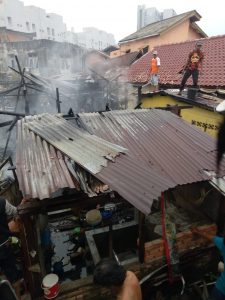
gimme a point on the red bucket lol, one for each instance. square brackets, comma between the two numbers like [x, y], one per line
[50, 286]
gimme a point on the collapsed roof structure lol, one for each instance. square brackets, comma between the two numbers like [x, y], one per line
[156, 151]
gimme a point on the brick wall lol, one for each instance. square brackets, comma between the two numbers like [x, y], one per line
[185, 240]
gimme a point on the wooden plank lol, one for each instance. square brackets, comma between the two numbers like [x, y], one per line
[141, 237]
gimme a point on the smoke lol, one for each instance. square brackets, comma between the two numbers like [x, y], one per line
[66, 67]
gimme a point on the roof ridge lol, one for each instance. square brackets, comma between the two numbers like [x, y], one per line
[159, 22]
[185, 13]
[191, 41]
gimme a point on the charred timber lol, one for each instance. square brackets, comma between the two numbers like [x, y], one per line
[11, 113]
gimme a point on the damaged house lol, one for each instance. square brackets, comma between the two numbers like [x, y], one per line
[43, 57]
[96, 178]
[211, 82]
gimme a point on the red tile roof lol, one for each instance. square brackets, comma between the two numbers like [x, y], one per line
[174, 56]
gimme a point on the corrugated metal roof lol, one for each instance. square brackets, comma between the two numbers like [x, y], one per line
[163, 151]
[89, 151]
[41, 169]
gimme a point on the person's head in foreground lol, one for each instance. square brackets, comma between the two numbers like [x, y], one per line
[108, 273]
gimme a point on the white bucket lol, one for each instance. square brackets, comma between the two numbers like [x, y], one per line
[50, 286]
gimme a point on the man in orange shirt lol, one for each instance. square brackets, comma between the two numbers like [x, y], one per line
[123, 283]
[155, 64]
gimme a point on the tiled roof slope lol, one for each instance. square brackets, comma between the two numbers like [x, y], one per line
[174, 56]
[158, 27]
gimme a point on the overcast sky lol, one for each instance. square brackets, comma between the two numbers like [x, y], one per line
[119, 17]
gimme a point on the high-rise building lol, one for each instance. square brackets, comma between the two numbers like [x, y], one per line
[150, 15]
[15, 16]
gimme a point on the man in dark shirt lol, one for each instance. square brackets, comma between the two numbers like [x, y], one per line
[7, 258]
[193, 66]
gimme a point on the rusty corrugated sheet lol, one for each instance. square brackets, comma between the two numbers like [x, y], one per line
[163, 151]
[40, 168]
[89, 151]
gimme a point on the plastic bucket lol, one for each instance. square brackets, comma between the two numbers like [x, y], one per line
[50, 286]
[192, 93]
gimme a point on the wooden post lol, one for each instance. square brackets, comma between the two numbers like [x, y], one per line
[110, 240]
[141, 237]
[58, 101]
[27, 110]
[139, 95]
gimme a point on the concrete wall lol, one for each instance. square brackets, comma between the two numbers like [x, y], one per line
[14, 36]
[180, 33]
[192, 34]
[91, 38]
[207, 121]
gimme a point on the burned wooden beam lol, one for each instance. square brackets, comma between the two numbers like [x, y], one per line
[141, 237]
[7, 123]
[13, 123]
[58, 101]
[9, 91]
[11, 113]
[27, 110]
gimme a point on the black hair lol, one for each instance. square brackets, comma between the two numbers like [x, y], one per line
[108, 273]
[220, 144]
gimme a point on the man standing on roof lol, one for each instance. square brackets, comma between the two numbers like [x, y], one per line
[193, 66]
[155, 64]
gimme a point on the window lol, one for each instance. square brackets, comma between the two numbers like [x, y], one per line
[48, 30]
[53, 32]
[32, 62]
[28, 26]
[9, 19]
[33, 28]
[145, 50]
